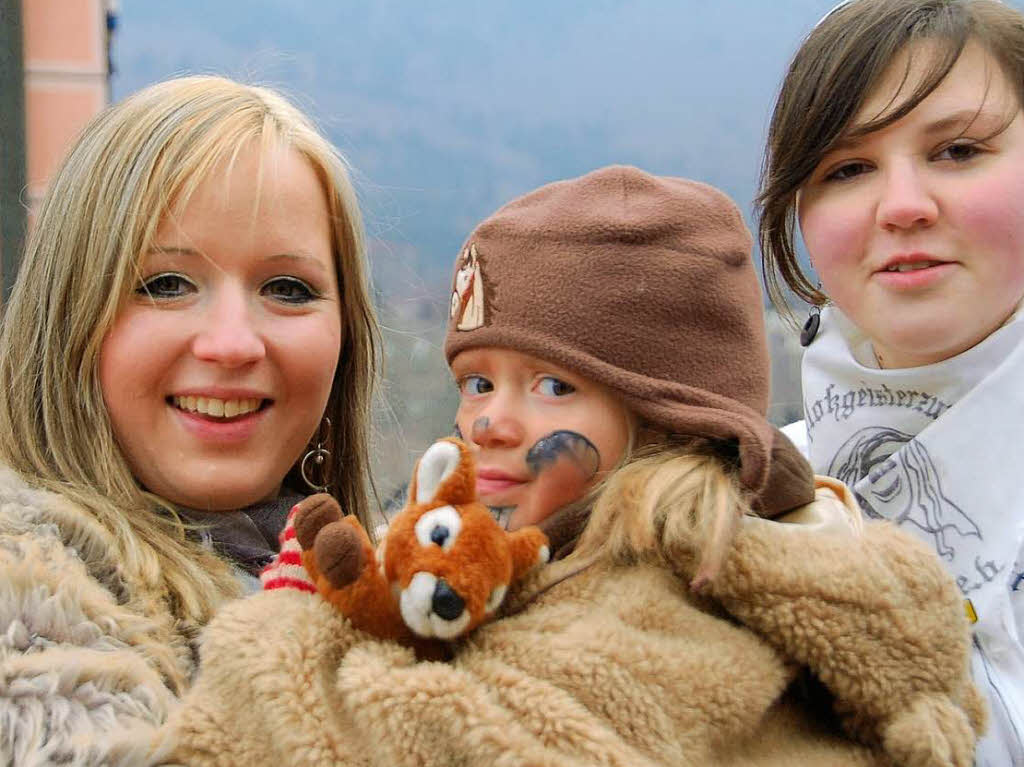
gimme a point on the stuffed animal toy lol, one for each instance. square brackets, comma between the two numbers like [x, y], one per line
[443, 567]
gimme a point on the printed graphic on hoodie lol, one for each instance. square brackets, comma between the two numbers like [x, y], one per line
[903, 480]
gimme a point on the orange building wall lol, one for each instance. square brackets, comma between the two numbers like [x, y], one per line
[65, 80]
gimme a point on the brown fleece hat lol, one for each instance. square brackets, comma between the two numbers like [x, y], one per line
[644, 284]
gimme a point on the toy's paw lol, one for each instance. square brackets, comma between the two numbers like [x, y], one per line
[339, 553]
[312, 515]
[931, 732]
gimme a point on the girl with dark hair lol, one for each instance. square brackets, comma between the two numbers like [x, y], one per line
[897, 148]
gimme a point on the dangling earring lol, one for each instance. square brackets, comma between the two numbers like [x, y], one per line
[810, 328]
[316, 458]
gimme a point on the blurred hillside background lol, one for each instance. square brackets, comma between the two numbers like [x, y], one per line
[448, 109]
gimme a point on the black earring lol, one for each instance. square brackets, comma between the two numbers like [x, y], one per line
[810, 328]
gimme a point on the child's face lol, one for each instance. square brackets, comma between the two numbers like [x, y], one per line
[218, 368]
[542, 435]
[917, 230]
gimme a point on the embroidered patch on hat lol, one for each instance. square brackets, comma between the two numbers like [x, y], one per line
[468, 295]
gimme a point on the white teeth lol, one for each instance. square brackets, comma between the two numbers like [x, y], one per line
[218, 408]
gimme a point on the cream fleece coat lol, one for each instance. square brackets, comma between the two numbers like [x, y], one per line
[604, 664]
[85, 656]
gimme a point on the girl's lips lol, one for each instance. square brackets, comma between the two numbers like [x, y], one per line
[219, 430]
[486, 486]
[916, 279]
[491, 483]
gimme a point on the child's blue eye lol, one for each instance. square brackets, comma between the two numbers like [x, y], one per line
[167, 285]
[475, 385]
[288, 290]
[550, 386]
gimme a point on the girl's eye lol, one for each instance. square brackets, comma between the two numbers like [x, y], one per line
[959, 152]
[550, 386]
[848, 171]
[473, 385]
[288, 290]
[166, 286]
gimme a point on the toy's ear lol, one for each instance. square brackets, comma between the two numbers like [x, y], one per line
[445, 473]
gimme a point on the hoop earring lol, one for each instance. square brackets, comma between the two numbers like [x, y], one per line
[316, 458]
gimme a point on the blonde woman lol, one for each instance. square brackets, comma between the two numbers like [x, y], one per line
[190, 346]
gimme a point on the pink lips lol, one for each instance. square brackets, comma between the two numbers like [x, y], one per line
[221, 392]
[491, 482]
[917, 278]
[238, 429]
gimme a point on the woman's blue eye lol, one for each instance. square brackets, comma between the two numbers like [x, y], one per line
[288, 290]
[476, 385]
[166, 286]
[554, 387]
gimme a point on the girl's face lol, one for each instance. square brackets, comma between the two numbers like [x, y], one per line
[542, 434]
[217, 370]
[917, 230]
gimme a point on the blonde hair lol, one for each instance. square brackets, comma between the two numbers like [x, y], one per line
[666, 500]
[130, 165]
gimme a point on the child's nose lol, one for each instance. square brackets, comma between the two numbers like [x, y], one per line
[497, 430]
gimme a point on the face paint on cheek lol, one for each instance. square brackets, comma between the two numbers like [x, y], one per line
[480, 425]
[564, 445]
[562, 465]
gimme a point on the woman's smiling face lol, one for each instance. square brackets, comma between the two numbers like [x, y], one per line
[218, 368]
[917, 230]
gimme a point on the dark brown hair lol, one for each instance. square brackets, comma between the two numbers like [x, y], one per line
[838, 65]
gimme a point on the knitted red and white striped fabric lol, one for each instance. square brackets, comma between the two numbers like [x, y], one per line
[286, 570]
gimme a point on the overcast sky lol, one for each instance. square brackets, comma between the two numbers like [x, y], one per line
[448, 109]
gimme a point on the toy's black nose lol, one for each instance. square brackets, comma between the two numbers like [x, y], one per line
[439, 534]
[446, 603]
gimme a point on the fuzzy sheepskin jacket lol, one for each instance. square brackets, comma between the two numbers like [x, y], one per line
[604, 664]
[90, 665]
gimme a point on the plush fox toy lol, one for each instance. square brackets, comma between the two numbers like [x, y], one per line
[444, 564]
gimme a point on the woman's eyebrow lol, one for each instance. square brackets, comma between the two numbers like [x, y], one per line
[303, 258]
[961, 119]
[965, 118]
[173, 250]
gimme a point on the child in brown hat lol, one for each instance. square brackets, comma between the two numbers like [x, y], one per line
[632, 302]
[606, 334]
[607, 337]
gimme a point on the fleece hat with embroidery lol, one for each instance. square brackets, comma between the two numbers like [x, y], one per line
[644, 284]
